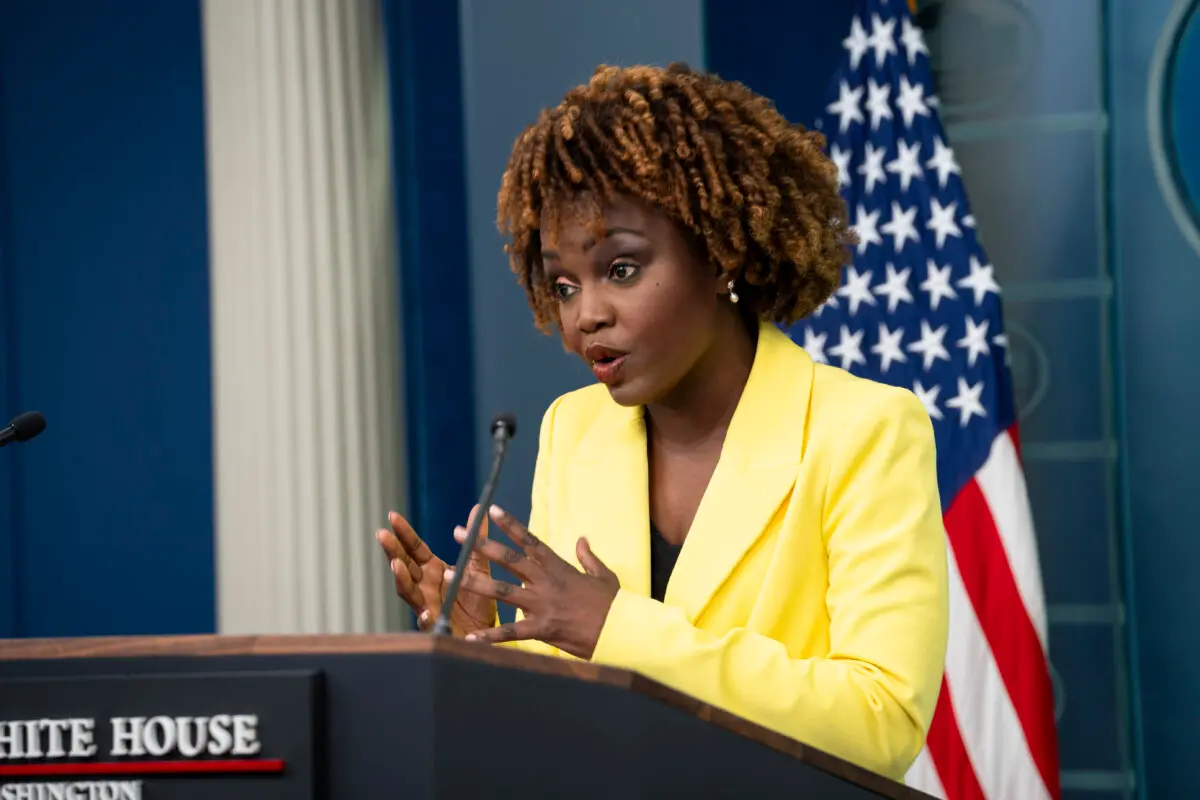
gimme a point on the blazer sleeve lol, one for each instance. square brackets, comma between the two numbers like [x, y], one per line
[870, 700]
[539, 514]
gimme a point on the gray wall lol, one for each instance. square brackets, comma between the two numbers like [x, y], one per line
[518, 57]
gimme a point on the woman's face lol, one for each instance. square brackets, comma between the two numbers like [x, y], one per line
[638, 306]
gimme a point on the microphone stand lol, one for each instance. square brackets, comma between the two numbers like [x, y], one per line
[504, 427]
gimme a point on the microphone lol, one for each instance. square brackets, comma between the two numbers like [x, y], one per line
[23, 428]
[504, 427]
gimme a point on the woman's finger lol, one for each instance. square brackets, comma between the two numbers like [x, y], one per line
[416, 549]
[476, 560]
[591, 564]
[395, 551]
[535, 550]
[503, 591]
[406, 587]
[508, 632]
[510, 559]
[390, 544]
[425, 619]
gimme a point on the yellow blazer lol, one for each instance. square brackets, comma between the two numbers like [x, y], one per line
[810, 595]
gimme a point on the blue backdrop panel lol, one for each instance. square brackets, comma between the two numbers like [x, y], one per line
[427, 123]
[1158, 273]
[8, 401]
[786, 51]
[104, 225]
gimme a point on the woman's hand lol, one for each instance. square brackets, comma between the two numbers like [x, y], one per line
[563, 607]
[421, 578]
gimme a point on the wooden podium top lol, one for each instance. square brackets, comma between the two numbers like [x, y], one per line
[416, 643]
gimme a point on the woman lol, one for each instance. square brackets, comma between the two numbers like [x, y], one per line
[718, 512]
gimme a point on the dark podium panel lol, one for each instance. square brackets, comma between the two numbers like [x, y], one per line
[404, 716]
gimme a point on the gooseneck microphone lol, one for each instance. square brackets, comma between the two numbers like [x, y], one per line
[504, 427]
[23, 428]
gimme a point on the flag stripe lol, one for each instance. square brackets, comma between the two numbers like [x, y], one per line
[1003, 486]
[952, 766]
[988, 719]
[1016, 649]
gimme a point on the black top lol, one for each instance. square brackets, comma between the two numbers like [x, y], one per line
[662, 561]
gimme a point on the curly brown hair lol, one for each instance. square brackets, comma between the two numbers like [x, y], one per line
[757, 194]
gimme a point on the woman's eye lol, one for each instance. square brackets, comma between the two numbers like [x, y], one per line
[623, 271]
[562, 290]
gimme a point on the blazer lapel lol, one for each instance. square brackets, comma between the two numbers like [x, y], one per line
[608, 492]
[609, 496]
[755, 474]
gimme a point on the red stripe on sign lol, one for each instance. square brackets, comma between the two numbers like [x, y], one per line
[1015, 645]
[142, 768]
[949, 754]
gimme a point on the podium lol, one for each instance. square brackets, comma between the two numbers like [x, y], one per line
[359, 717]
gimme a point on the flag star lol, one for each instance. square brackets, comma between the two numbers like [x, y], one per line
[969, 220]
[865, 226]
[928, 398]
[842, 159]
[937, 284]
[943, 161]
[967, 401]
[877, 102]
[857, 289]
[911, 101]
[1001, 340]
[888, 348]
[941, 221]
[883, 38]
[975, 340]
[980, 281]
[849, 348]
[901, 227]
[906, 163]
[895, 288]
[930, 346]
[857, 42]
[913, 40]
[814, 345]
[846, 106]
[872, 167]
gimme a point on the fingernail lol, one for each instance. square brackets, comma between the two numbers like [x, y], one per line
[496, 512]
[471, 637]
[395, 565]
[460, 533]
[448, 574]
[425, 616]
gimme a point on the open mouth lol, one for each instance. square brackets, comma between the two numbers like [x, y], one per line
[608, 368]
[604, 361]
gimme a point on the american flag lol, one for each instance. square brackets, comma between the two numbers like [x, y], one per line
[920, 307]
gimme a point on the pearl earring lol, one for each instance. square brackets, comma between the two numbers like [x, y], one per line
[733, 298]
